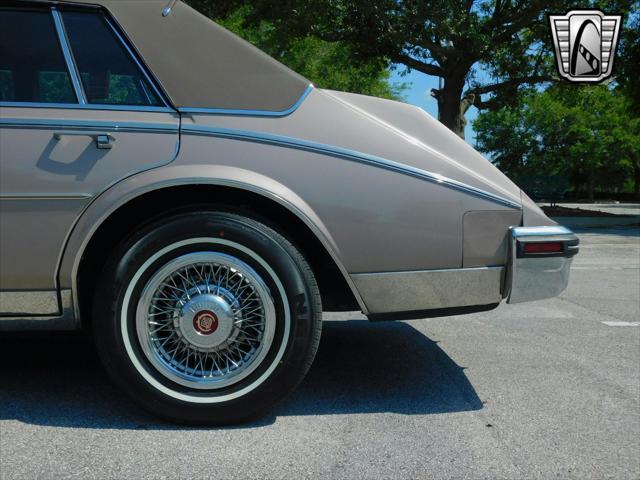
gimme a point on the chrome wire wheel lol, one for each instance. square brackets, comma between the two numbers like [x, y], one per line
[205, 320]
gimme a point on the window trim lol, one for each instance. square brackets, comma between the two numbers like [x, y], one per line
[68, 56]
[76, 82]
[87, 106]
[132, 54]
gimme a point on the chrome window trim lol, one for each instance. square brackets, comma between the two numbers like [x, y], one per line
[87, 106]
[347, 154]
[76, 81]
[133, 55]
[68, 56]
[89, 125]
[252, 113]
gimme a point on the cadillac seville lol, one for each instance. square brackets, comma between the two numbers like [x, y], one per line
[196, 205]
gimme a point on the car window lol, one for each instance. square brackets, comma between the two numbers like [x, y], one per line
[108, 73]
[32, 66]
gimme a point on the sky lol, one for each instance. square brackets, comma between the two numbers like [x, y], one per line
[419, 93]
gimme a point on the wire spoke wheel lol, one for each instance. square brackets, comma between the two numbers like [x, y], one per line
[205, 320]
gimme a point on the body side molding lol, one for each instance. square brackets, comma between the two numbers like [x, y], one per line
[397, 292]
[89, 125]
[64, 319]
[347, 154]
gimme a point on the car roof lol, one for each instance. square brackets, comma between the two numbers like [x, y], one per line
[199, 63]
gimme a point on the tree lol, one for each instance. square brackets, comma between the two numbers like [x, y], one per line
[507, 40]
[326, 64]
[584, 132]
[628, 66]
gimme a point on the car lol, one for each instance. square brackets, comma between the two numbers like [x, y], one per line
[196, 205]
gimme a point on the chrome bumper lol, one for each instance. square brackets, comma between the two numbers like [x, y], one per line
[535, 276]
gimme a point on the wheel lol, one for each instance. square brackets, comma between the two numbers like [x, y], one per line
[207, 317]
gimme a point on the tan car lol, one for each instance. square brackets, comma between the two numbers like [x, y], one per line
[197, 205]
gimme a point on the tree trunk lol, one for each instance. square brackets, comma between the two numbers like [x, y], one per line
[590, 186]
[636, 183]
[450, 111]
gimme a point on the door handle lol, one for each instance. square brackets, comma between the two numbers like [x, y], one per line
[104, 141]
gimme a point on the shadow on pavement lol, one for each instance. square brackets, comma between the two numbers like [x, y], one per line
[361, 367]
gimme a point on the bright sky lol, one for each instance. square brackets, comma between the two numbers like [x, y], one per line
[419, 93]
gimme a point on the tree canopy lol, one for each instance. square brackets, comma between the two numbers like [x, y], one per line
[495, 55]
[327, 64]
[586, 133]
[484, 50]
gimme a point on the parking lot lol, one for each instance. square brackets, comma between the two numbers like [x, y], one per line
[549, 389]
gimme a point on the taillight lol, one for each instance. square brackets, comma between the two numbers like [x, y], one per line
[542, 247]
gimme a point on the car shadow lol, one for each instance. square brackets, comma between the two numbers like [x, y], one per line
[361, 367]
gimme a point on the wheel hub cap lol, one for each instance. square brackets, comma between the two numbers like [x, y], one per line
[205, 321]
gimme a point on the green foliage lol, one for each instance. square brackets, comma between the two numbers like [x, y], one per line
[587, 133]
[489, 48]
[327, 64]
[627, 67]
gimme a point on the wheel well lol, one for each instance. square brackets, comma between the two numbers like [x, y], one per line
[336, 293]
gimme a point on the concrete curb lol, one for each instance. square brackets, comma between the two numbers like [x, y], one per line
[595, 222]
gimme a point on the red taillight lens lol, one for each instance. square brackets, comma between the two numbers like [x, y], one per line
[543, 247]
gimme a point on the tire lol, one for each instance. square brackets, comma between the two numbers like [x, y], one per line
[191, 348]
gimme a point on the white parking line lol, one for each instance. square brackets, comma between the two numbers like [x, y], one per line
[622, 324]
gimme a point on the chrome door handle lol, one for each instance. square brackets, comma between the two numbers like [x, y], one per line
[104, 141]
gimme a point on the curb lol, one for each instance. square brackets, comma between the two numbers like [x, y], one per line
[594, 222]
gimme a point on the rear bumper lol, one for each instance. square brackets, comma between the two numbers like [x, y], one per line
[536, 276]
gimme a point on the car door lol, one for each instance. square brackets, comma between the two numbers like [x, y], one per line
[78, 113]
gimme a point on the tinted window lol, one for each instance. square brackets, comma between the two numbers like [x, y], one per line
[32, 67]
[109, 75]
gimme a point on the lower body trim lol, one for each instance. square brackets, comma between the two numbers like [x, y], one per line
[397, 292]
[66, 320]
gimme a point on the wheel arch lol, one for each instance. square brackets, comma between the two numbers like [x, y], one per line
[141, 198]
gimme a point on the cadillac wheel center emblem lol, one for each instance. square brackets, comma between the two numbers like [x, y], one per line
[205, 322]
[585, 44]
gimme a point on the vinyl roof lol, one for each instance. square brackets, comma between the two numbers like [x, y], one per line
[200, 64]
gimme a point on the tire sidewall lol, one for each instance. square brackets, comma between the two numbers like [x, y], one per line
[292, 293]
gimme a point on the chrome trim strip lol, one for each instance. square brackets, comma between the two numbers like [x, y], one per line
[65, 320]
[87, 106]
[45, 196]
[540, 231]
[66, 50]
[89, 125]
[387, 292]
[167, 10]
[347, 154]
[33, 302]
[253, 113]
[141, 67]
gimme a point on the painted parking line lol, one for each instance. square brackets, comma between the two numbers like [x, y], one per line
[622, 324]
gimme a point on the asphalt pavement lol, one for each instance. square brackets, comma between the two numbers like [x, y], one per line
[549, 389]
